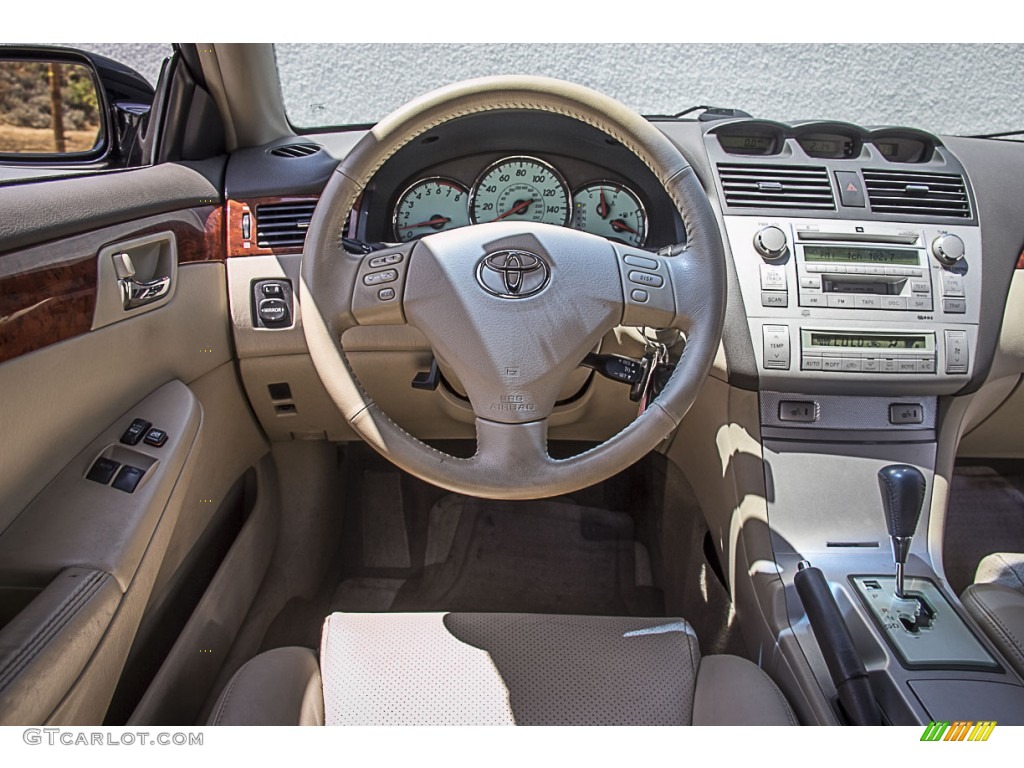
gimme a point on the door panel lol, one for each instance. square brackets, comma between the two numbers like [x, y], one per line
[75, 370]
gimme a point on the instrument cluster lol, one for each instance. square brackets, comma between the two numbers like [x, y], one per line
[520, 188]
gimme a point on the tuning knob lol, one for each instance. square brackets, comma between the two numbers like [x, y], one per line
[948, 249]
[770, 242]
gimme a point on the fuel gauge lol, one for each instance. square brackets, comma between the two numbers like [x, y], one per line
[612, 210]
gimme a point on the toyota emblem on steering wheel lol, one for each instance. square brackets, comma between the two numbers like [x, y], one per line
[513, 274]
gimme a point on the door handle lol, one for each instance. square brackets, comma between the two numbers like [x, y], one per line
[136, 293]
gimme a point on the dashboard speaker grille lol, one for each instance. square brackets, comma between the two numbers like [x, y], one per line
[776, 186]
[917, 194]
[283, 225]
[295, 150]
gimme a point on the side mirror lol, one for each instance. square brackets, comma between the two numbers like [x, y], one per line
[60, 106]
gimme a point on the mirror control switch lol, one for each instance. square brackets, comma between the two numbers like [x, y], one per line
[135, 432]
[102, 470]
[128, 479]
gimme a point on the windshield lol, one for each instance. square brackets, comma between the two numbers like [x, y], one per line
[978, 90]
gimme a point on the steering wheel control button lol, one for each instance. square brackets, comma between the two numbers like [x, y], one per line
[851, 191]
[128, 479]
[135, 432]
[957, 353]
[155, 437]
[377, 278]
[513, 274]
[770, 242]
[640, 261]
[274, 313]
[948, 249]
[803, 411]
[776, 347]
[639, 295]
[906, 413]
[386, 294]
[774, 299]
[102, 470]
[646, 278]
[385, 261]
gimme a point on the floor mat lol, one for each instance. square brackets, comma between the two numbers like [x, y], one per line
[986, 515]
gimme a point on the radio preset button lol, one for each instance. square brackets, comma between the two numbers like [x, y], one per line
[894, 271]
[815, 267]
[954, 306]
[875, 270]
[776, 346]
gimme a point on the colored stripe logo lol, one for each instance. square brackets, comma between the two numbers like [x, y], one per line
[961, 730]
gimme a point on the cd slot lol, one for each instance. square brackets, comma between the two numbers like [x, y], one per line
[909, 238]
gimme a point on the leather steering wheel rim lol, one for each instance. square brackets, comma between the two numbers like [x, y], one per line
[511, 460]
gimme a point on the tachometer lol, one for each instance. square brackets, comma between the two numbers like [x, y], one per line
[430, 205]
[520, 189]
[612, 210]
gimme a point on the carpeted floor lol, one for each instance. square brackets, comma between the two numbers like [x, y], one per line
[986, 515]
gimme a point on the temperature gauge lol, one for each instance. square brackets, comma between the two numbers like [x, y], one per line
[612, 210]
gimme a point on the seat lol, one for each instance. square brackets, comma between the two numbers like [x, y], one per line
[500, 669]
[996, 601]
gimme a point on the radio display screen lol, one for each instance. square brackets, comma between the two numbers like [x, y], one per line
[867, 342]
[860, 255]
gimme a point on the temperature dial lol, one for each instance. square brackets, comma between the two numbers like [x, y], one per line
[770, 242]
[948, 249]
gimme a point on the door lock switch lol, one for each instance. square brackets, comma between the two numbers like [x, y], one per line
[135, 432]
[155, 437]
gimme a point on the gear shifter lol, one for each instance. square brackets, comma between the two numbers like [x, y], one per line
[902, 488]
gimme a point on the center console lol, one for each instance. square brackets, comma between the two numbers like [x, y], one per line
[859, 266]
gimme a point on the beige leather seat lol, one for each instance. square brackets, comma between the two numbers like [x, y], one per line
[996, 601]
[500, 669]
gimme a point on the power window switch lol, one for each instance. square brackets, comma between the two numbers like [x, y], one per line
[128, 479]
[135, 432]
[155, 437]
[102, 470]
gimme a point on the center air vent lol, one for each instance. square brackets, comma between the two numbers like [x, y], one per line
[776, 186]
[283, 225]
[295, 150]
[917, 194]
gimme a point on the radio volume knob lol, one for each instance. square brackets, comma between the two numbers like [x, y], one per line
[948, 249]
[770, 242]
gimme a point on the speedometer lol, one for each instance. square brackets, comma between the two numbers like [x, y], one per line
[520, 189]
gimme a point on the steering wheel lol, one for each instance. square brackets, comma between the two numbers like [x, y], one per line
[513, 308]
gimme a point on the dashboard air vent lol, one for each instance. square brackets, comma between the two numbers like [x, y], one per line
[295, 150]
[283, 225]
[917, 194]
[776, 186]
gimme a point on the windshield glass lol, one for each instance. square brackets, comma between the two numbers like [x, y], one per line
[980, 89]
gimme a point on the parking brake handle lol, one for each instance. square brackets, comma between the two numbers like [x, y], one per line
[844, 663]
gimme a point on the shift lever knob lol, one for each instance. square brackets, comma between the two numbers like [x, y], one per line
[902, 488]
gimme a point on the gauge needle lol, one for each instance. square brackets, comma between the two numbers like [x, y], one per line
[620, 226]
[431, 223]
[519, 207]
[602, 208]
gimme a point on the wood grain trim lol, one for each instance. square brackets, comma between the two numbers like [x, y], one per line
[237, 245]
[48, 292]
[1020, 260]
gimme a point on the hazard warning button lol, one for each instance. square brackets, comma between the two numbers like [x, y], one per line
[851, 190]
